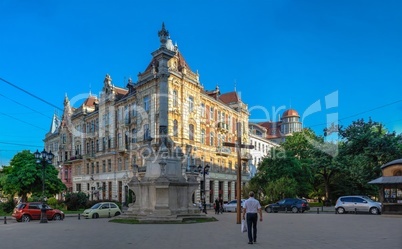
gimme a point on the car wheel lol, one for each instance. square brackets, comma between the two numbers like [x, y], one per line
[95, 216]
[57, 217]
[26, 218]
[117, 213]
[340, 210]
[295, 210]
[374, 210]
[268, 210]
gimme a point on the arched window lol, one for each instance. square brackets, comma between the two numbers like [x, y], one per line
[175, 128]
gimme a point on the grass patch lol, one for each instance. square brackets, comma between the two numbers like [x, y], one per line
[184, 221]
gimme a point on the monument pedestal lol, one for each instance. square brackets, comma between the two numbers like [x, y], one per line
[163, 193]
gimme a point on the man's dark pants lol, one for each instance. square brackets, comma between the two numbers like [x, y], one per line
[252, 223]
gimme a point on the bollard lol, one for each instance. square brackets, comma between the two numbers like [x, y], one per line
[355, 210]
[109, 215]
[79, 216]
[322, 208]
[318, 210]
[5, 220]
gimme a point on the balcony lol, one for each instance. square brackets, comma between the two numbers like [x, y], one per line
[223, 151]
[89, 156]
[223, 127]
[75, 158]
[246, 156]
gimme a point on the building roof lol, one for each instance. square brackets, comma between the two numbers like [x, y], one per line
[229, 98]
[397, 161]
[91, 101]
[387, 180]
[290, 113]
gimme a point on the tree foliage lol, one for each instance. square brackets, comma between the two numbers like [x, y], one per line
[326, 169]
[24, 176]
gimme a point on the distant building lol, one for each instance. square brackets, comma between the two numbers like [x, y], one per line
[262, 146]
[288, 124]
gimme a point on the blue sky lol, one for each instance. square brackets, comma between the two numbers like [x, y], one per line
[329, 60]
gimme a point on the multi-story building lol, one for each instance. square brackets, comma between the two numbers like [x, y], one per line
[286, 126]
[262, 146]
[100, 142]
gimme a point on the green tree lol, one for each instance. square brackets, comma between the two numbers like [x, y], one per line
[25, 177]
[364, 148]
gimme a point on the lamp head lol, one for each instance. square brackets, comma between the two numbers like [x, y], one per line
[37, 154]
[206, 168]
[44, 153]
[50, 155]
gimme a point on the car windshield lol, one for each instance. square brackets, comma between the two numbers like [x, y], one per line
[96, 206]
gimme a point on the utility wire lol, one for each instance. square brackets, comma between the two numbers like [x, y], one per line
[24, 106]
[360, 113]
[22, 121]
[30, 94]
[27, 145]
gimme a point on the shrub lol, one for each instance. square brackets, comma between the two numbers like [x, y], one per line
[76, 201]
[8, 206]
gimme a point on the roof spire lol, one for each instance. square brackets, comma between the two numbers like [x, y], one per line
[163, 35]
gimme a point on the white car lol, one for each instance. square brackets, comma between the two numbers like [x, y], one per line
[102, 209]
[231, 206]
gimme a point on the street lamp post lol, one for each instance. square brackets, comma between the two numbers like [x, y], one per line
[204, 171]
[43, 158]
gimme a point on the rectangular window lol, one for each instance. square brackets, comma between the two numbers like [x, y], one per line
[147, 103]
[211, 113]
[175, 98]
[119, 164]
[190, 103]
[103, 166]
[78, 187]
[147, 134]
[202, 110]
[97, 167]
[109, 165]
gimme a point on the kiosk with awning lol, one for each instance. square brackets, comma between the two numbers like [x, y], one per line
[390, 187]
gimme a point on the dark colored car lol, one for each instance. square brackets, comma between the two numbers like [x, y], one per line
[294, 205]
[27, 211]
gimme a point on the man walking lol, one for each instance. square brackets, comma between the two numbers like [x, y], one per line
[252, 207]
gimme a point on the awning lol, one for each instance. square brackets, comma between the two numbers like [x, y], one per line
[387, 180]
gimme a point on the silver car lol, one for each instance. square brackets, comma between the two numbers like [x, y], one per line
[356, 203]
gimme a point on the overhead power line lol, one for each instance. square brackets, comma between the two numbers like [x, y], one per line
[24, 106]
[27, 145]
[360, 113]
[30, 94]
[22, 121]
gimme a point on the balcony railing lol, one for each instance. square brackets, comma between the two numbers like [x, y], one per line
[223, 151]
[223, 126]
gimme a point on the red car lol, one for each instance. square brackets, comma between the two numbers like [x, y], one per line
[27, 211]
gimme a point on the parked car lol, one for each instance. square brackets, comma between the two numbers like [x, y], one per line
[295, 205]
[357, 203]
[102, 209]
[231, 206]
[27, 211]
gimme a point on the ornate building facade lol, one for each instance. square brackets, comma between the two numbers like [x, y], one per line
[102, 143]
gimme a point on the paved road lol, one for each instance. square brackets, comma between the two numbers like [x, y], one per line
[282, 230]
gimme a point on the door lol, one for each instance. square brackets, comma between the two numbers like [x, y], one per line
[361, 205]
[348, 204]
[104, 210]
